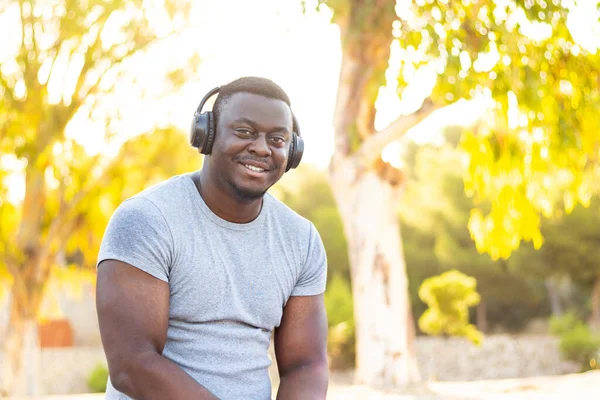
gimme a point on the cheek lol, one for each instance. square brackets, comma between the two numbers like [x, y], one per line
[227, 147]
[280, 156]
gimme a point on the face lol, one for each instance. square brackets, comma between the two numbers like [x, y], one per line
[251, 146]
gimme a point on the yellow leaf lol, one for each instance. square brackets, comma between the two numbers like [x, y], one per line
[569, 200]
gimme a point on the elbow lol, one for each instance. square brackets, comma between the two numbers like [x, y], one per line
[322, 370]
[125, 374]
[317, 369]
[121, 378]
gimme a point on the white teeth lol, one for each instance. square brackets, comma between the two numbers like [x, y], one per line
[253, 168]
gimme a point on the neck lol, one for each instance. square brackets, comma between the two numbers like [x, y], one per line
[223, 202]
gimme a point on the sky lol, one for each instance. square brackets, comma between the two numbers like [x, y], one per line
[234, 38]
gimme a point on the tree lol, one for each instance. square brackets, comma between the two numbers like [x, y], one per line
[571, 250]
[68, 58]
[434, 216]
[538, 152]
[449, 297]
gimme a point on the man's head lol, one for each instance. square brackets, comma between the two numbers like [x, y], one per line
[254, 128]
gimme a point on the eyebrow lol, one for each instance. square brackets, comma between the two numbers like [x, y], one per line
[255, 124]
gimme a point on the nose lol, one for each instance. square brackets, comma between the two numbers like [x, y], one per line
[259, 146]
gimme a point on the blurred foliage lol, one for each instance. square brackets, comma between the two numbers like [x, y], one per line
[434, 213]
[537, 150]
[449, 297]
[571, 253]
[576, 253]
[534, 152]
[338, 301]
[559, 325]
[578, 343]
[340, 314]
[98, 379]
[62, 62]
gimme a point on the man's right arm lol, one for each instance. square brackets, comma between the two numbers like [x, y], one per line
[133, 313]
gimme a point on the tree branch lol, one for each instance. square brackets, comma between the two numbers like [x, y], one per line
[9, 92]
[78, 101]
[56, 48]
[65, 216]
[89, 53]
[63, 225]
[11, 262]
[372, 147]
[24, 50]
[31, 64]
[34, 42]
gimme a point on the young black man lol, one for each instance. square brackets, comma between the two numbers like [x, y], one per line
[196, 273]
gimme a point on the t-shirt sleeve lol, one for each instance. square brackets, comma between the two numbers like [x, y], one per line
[138, 234]
[313, 277]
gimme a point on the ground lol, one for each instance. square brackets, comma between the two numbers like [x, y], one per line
[576, 386]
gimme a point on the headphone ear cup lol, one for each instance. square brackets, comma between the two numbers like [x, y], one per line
[202, 131]
[210, 136]
[296, 151]
[292, 152]
[198, 131]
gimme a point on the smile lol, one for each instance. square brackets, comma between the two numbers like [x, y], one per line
[253, 168]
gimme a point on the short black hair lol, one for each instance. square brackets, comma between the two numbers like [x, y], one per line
[248, 84]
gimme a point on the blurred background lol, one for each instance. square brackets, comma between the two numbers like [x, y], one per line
[451, 168]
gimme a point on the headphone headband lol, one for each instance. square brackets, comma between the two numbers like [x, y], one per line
[206, 97]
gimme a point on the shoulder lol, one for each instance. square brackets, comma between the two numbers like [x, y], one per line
[287, 217]
[158, 198]
[152, 205]
[293, 227]
[169, 191]
[312, 259]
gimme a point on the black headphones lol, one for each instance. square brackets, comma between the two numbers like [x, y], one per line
[203, 130]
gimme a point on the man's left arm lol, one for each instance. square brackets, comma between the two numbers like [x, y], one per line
[301, 349]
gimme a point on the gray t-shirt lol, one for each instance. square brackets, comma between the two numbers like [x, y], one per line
[229, 282]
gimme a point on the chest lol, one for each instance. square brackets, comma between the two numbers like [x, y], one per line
[241, 278]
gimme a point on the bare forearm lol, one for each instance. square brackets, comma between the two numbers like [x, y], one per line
[307, 381]
[154, 377]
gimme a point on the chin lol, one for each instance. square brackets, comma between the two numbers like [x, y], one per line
[249, 193]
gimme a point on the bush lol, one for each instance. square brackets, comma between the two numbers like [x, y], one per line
[563, 324]
[341, 346]
[98, 378]
[578, 342]
[340, 315]
[449, 297]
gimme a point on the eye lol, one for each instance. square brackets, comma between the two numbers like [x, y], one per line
[244, 131]
[278, 140]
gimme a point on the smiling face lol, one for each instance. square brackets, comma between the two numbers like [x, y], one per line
[251, 146]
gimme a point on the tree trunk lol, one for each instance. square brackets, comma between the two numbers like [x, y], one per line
[594, 319]
[30, 269]
[21, 364]
[384, 328]
[482, 324]
[555, 303]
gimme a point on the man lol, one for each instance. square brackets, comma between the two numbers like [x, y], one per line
[195, 273]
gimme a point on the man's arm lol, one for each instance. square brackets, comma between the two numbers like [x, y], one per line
[133, 312]
[301, 349]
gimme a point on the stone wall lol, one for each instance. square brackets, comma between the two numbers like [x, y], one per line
[500, 356]
[66, 370]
